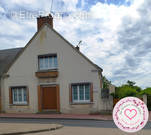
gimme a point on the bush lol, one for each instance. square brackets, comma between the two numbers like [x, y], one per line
[146, 91]
[114, 95]
[125, 91]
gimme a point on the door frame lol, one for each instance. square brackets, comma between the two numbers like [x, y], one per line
[39, 92]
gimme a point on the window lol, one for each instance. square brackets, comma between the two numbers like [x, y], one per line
[47, 62]
[81, 93]
[19, 95]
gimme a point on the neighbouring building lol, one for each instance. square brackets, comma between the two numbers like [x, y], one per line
[49, 74]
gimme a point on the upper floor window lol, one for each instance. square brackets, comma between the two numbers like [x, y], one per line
[48, 62]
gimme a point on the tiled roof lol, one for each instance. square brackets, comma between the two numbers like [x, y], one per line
[7, 57]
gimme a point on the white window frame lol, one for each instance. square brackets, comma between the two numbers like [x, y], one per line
[50, 65]
[78, 93]
[22, 92]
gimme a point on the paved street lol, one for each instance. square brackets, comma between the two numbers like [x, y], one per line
[77, 127]
[67, 122]
[91, 131]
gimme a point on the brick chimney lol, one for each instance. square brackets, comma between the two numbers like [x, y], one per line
[43, 20]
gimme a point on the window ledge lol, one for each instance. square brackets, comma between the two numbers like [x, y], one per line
[19, 105]
[82, 103]
[47, 70]
[47, 73]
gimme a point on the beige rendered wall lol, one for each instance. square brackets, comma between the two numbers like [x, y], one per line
[72, 67]
[112, 88]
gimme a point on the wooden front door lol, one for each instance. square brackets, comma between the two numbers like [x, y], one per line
[49, 98]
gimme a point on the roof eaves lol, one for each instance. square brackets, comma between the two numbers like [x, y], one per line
[24, 48]
[18, 55]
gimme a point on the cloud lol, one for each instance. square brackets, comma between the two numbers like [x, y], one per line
[1, 9]
[23, 1]
[118, 27]
[70, 4]
[134, 39]
[115, 36]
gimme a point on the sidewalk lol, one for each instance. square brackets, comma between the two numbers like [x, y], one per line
[14, 129]
[60, 116]
[57, 116]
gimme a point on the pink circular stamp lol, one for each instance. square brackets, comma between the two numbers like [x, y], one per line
[130, 114]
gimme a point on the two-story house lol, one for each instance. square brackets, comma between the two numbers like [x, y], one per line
[49, 74]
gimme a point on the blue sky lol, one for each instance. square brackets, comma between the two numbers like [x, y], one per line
[89, 3]
[115, 34]
[81, 4]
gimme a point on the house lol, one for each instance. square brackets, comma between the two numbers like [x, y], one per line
[49, 74]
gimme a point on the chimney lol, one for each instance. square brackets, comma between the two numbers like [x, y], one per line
[43, 20]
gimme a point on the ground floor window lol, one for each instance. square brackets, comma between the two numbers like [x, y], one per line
[81, 92]
[19, 95]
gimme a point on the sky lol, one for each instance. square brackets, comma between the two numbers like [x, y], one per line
[115, 34]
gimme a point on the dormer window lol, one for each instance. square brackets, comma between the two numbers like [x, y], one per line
[47, 62]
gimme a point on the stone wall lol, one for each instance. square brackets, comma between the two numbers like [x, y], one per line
[145, 99]
[107, 105]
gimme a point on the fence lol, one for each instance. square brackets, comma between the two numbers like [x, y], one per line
[149, 102]
[115, 100]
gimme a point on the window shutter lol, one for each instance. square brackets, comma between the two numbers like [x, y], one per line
[70, 93]
[0, 100]
[27, 89]
[91, 92]
[58, 98]
[101, 83]
[10, 96]
[39, 99]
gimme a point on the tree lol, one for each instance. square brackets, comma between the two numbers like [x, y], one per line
[131, 83]
[125, 91]
[106, 83]
[128, 89]
[146, 91]
[138, 89]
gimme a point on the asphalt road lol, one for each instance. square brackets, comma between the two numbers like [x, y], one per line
[68, 122]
